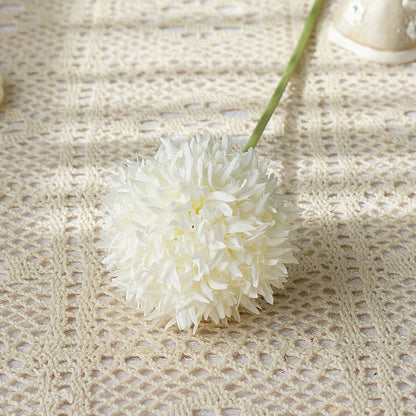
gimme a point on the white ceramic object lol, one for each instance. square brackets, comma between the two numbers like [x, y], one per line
[378, 30]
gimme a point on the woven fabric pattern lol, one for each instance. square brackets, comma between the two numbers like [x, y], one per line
[90, 83]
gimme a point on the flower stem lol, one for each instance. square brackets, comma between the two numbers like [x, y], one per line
[290, 68]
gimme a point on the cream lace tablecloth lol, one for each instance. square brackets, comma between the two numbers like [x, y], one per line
[90, 83]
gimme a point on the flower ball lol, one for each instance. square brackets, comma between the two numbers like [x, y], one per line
[197, 231]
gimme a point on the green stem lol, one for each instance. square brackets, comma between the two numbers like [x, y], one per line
[290, 68]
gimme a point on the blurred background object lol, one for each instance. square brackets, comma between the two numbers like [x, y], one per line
[1, 89]
[378, 30]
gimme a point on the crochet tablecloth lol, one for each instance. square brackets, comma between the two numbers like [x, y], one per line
[88, 84]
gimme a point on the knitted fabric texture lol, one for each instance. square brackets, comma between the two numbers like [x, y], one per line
[89, 84]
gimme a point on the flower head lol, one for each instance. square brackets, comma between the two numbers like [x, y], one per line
[197, 231]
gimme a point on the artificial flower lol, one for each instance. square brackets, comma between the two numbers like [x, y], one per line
[197, 231]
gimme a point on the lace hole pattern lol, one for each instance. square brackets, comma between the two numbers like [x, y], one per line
[91, 83]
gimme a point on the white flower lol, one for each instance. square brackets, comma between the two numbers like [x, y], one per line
[197, 231]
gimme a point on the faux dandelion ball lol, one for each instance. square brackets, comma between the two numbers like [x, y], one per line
[197, 231]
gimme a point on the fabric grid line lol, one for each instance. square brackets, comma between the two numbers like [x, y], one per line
[91, 83]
